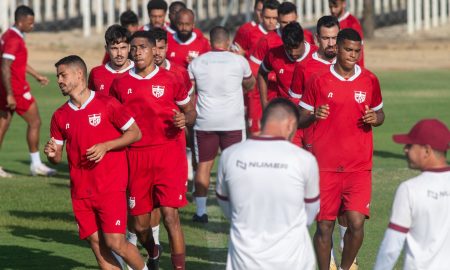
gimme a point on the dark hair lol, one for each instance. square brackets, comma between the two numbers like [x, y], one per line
[328, 22]
[144, 34]
[128, 18]
[156, 4]
[334, 2]
[286, 8]
[176, 4]
[22, 11]
[73, 60]
[116, 34]
[271, 4]
[256, 3]
[219, 34]
[158, 34]
[277, 104]
[292, 35]
[349, 34]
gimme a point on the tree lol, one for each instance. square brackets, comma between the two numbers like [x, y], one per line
[368, 20]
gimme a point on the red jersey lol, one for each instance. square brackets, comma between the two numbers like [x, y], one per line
[101, 77]
[178, 51]
[283, 65]
[342, 142]
[99, 119]
[248, 36]
[349, 21]
[182, 74]
[304, 71]
[152, 100]
[12, 47]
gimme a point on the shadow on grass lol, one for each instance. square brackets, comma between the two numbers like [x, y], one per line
[386, 154]
[16, 257]
[62, 168]
[63, 216]
[212, 225]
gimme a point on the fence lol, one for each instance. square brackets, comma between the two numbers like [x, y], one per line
[418, 14]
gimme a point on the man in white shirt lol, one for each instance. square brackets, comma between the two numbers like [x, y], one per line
[220, 77]
[421, 209]
[269, 188]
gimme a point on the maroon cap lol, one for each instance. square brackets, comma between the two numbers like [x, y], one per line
[427, 131]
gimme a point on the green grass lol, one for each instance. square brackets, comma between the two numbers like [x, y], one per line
[37, 229]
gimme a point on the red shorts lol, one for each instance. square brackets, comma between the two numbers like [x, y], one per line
[23, 102]
[207, 143]
[158, 177]
[106, 212]
[344, 191]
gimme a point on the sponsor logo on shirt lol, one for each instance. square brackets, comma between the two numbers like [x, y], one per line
[281, 71]
[130, 91]
[360, 96]
[330, 95]
[261, 165]
[158, 90]
[438, 194]
[67, 125]
[241, 164]
[95, 119]
[118, 222]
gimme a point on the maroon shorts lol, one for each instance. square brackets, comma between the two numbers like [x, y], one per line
[346, 191]
[207, 143]
[23, 102]
[106, 212]
[158, 177]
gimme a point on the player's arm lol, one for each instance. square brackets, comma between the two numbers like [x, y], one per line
[312, 195]
[373, 117]
[263, 78]
[130, 135]
[222, 189]
[308, 113]
[53, 150]
[390, 249]
[40, 78]
[6, 79]
[248, 83]
[185, 117]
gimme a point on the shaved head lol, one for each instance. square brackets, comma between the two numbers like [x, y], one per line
[185, 12]
[279, 109]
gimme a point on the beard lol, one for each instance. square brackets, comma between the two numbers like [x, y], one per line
[184, 36]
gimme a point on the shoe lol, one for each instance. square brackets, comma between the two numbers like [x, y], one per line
[41, 169]
[333, 265]
[153, 263]
[354, 265]
[4, 174]
[200, 219]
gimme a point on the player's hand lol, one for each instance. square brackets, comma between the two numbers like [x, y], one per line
[96, 152]
[322, 112]
[179, 119]
[11, 102]
[42, 80]
[50, 148]
[370, 116]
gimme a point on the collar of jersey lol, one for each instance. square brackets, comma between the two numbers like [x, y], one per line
[168, 65]
[83, 106]
[261, 28]
[268, 138]
[110, 69]
[17, 31]
[352, 78]
[187, 42]
[170, 29]
[148, 77]
[305, 53]
[278, 31]
[444, 169]
[316, 57]
[346, 14]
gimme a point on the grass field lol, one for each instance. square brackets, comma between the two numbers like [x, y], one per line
[37, 229]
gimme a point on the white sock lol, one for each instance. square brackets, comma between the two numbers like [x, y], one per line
[132, 238]
[35, 158]
[342, 231]
[332, 254]
[155, 231]
[201, 205]
[189, 161]
[119, 259]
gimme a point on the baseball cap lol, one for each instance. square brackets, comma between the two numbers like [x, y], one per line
[427, 131]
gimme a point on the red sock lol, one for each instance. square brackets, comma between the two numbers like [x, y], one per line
[178, 261]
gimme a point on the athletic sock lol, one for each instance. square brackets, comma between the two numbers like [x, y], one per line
[332, 254]
[35, 158]
[155, 232]
[342, 231]
[132, 238]
[201, 205]
[178, 261]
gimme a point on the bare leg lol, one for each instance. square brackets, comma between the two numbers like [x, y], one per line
[176, 238]
[143, 231]
[5, 121]
[103, 254]
[129, 252]
[322, 243]
[34, 125]
[353, 238]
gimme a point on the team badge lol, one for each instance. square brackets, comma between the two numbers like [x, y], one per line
[132, 202]
[95, 119]
[360, 96]
[27, 96]
[193, 54]
[158, 90]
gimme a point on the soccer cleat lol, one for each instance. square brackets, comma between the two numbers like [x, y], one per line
[333, 265]
[153, 263]
[354, 265]
[200, 219]
[4, 174]
[41, 169]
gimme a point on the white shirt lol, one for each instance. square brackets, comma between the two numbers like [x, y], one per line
[421, 214]
[218, 78]
[267, 181]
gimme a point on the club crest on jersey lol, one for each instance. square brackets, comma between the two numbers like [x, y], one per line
[132, 202]
[158, 90]
[360, 96]
[95, 119]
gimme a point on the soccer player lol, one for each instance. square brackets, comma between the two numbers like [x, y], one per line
[174, 7]
[96, 130]
[15, 95]
[158, 166]
[220, 78]
[117, 39]
[269, 189]
[157, 10]
[185, 45]
[344, 103]
[421, 209]
[347, 20]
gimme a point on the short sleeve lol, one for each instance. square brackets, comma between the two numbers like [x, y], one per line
[55, 130]
[309, 96]
[187, 81]
[401, 216]
[221, 185]
[377, 100]
[242, 39]
[91, 84]
[190, 70]
[119, 115]
[10, 48]
[312, 184]
[297, 84]
[266, 64]
[247, 71]
[181, 92]
[260, 51]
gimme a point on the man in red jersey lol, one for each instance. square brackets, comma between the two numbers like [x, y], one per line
[347, 20]
[158, 165]
[345, 103]
[185, 44]
[249, 33]
[96, 130]
[118, 47]
[157, 10]
[171, 28]
[15, 95]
